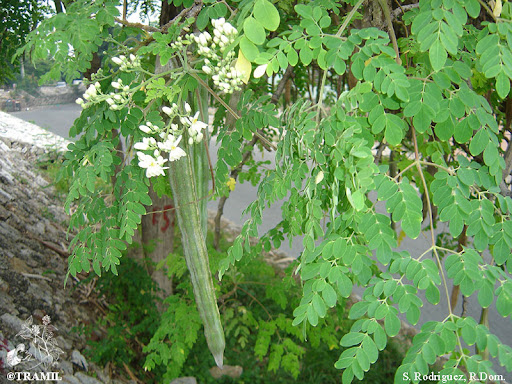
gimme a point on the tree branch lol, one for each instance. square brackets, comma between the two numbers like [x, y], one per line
[144, 27]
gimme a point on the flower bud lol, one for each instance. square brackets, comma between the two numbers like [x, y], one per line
[187, 108]
[168, 111]
[117, 60]
[260, 71]
[144, 128]
[202, 40]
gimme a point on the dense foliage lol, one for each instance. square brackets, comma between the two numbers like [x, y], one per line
[17, 19]
[413, 105]
[255, 310]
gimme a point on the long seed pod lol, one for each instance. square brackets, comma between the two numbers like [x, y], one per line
[194, 246]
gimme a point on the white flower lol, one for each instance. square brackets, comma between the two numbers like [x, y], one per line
[196, 125]
[154, 167]
[79, 101]
[224, 39]
[91, 92]
[176, 154]
[171, 145]
[168, 111]
[144, 128]
[145, 144]
[260, 71]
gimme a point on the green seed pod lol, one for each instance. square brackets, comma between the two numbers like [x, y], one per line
[196, 255]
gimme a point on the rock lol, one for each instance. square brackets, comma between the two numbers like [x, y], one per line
[68, 379]
[4, 287]
[63, 343]
[184, 380]
[79, 360]
[84, 379]
[65, 367]
[19, 265]
[11, 321]
[6, 195]
[233, 371]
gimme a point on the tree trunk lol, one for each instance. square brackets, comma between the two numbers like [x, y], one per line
[157, 230]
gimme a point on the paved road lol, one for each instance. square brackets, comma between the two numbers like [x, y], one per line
[58, 119]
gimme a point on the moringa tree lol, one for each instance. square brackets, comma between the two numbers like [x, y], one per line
[411, 101]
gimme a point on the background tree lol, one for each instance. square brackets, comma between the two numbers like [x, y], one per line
[18, 19]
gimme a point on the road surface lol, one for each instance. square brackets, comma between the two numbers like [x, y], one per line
[58, 119]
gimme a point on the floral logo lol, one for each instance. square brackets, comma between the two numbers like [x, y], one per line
[43, 350]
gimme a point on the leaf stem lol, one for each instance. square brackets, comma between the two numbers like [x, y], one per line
[431, 224]
[324, 76]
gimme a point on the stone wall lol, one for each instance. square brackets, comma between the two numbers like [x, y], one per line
[44, 96]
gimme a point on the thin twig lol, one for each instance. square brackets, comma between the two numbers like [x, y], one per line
[230, 110]
[432, 233]
[391, 30]
[430, 216]
[338, 34]
[259, 302]
[403, 9]
[281, 86]
[33, 276]
[53, 247]
[130, 373]
[246, 156]
[484, 5]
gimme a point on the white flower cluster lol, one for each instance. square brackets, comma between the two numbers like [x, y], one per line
[169, 140]
[116, 101]
[181, 42]
[92, 95]
[224, 75]
[154, 164]
[217, 62]
[127, 63]
[194, 126]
